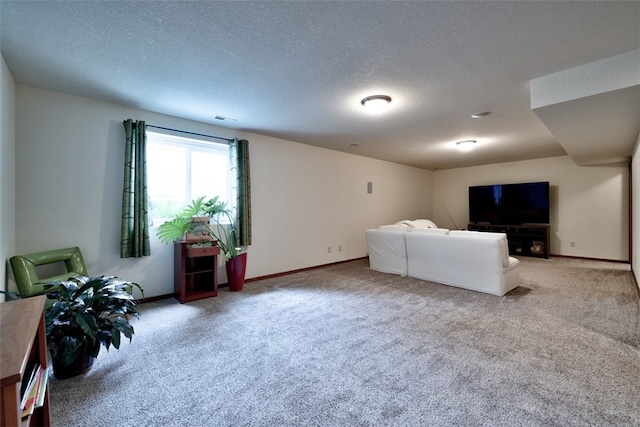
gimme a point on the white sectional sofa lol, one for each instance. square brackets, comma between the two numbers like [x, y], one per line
[467, 259]
[388, 249]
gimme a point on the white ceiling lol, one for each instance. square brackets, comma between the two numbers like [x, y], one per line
[298, 69]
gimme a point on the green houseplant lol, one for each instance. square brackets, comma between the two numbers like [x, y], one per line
[88, 312]
[221, 226]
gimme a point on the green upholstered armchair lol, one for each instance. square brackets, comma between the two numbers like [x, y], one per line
[27, 280]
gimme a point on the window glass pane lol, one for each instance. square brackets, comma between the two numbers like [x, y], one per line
[181, 169]
[166, 179]
[209, 174]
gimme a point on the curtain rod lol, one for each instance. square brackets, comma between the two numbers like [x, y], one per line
[190, 133]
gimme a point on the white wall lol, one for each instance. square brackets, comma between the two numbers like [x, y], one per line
[7, 175]
[635, 211]
[69, 155]
[314, 199]
[589, 205]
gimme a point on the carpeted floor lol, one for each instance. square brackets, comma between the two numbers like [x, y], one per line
[346, 346]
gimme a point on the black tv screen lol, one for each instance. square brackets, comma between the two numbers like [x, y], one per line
[512, 204]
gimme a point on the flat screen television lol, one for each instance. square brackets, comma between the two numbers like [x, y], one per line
[510, 204]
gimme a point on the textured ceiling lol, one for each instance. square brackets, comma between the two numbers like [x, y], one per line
[298, 70]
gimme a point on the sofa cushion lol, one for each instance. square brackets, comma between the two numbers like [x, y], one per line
[504, 251]
[466, 260]
[467, 232]
[387, 250]
[430, 230]
[502, 243]
[394, 227]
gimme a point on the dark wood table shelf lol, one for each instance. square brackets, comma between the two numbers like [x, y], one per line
[23, 345]
[195, 271]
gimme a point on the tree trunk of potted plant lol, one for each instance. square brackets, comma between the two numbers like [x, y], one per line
[236, 267]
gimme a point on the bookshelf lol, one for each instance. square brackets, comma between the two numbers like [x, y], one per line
[195, 271]
[23, 345]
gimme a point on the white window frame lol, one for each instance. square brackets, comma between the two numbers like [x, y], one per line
[190, 144]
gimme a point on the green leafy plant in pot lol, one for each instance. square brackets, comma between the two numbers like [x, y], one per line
[221, 226]
[88, 312]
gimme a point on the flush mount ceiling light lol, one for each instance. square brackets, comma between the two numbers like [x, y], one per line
[376, 103]
[466, 145]
[480, 114]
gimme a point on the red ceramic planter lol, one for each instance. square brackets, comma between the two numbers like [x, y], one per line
[236, 268]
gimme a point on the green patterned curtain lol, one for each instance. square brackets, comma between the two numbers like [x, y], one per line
[134, 234]
[239, 160]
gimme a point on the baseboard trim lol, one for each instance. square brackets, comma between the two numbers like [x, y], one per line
[255, 279]
[635, 280]
[300, 270]
[155, 298]
[589, 258]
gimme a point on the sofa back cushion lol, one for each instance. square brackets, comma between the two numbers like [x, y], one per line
[387, 250]
[430, 230]
[502, 242]
[394, 227]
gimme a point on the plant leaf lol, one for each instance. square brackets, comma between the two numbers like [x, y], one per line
[123, 326]
[194, 209]
[88, 324]
[115, 337]
[174, 229]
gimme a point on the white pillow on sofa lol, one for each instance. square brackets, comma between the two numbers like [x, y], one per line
[406, 223]
[418, 223]
[424, 223]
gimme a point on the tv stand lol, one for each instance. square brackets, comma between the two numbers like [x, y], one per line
[526, 239]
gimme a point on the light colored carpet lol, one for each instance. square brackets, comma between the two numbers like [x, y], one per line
[346, 346]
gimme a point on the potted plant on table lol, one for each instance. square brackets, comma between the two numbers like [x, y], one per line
[88, 312]
[224, 230]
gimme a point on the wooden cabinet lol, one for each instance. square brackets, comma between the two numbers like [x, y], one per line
[195, 271]
[528, 240]
[23, 345]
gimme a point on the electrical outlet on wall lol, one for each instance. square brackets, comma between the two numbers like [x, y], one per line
[572, 244]
[328, 249]
[339, 248]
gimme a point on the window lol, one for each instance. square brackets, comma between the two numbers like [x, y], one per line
[181, 169]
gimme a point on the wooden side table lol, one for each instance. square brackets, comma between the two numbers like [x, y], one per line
[195, 271]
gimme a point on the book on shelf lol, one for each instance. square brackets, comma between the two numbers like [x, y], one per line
[26, 379]
[42, 391]
[26, 386]
[33, 390]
